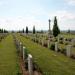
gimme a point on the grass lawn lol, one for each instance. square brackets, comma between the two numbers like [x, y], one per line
[50, 62]
[8, 57]
[68, 35]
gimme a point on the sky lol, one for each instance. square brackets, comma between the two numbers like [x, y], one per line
[17, 14]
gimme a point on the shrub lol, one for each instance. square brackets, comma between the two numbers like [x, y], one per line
[66, 43]
[26, 65]
[69, 39]
[52, 47]
[63, 51]
[45, 44]
[61, 38]
[55, 40]
[37, 41]
[61, 42]
[73, 56]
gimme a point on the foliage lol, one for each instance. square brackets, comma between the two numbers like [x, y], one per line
[3, 31]
[26, 30]
[52, 47]
[33, 29]
[23, 31]
[56, 30]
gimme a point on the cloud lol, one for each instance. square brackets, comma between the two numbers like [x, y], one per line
[21, 22]
[70, 2]
[66, 19]
[3, 3]
[63, 14]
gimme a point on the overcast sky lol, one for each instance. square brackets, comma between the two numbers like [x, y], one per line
[17, 14]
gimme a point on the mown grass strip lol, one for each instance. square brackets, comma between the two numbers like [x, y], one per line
[51, 63]
[8, 57]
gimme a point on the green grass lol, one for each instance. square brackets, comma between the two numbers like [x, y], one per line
[68, 35]
[8, 57]
[50, 62]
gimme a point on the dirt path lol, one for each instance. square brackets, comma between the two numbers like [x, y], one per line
[22, 66]
[23, 70]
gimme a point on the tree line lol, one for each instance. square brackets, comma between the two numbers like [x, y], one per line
[55, 31]
[3, 31]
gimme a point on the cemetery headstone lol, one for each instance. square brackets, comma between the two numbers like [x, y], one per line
[21, 48]
[42, 42]
[58, 39]
[56, 46]
[48, 43]
[68, 50]
[73, 42]
[64, 40]
[23, 53]
[30, 64]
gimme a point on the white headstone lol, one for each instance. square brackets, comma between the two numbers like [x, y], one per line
[42, 42]
[39, 40]
[20, 46]
[48, 43]
[56, 46]
[68, 50]
[73, 42]
[58, 39]
[23, 53]
[64, 40]
[30, 64]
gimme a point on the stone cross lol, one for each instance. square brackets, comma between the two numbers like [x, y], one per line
[68, 50]
[49, 27]
[56, 46]
[30, 64]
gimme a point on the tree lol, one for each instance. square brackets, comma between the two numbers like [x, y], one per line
[68, 31]
[26, 30]
[5, 31]
[33, 29]
[23, 30]
[0, 31]
[56, 30]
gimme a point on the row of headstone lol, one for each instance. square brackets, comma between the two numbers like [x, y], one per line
[3, 35]
[43, 42]
[68, 49]
[30, 61]
[64, 40]
[22, 51]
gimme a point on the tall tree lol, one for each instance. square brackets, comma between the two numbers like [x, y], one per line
[26, 30]
[23, 30]
[68, 31]
[56, 30]
[33, 29]
[0, 31]
[5, 31]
